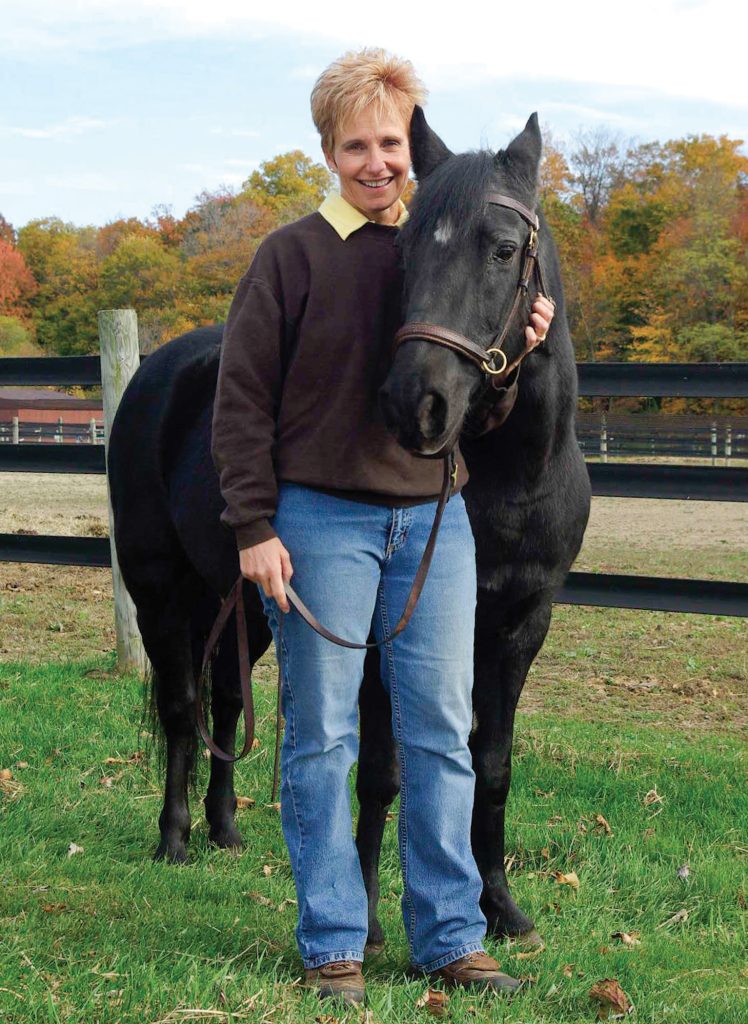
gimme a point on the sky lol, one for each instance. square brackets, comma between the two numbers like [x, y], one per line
[110, 109]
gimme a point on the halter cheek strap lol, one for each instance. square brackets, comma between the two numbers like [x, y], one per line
[492, 360]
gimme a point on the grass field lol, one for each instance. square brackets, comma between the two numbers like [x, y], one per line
[639, 718]
[106, 935]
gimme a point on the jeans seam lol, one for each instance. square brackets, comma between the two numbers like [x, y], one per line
[312, 962]
[450, 958]
[286, 676]
[394, 697]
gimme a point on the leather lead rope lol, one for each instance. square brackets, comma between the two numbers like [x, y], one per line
[235, 602]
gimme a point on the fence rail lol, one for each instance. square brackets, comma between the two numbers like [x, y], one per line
[709, 483]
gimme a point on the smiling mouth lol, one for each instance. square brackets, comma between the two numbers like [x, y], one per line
[381, 183]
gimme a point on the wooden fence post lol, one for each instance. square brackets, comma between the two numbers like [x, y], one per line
[120, 358]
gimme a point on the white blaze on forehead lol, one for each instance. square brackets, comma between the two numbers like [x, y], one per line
[443, 231]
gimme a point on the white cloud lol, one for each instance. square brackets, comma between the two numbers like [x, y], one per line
[248, 164]
[68, 128]
[16, 187]
[85, 181]
[686, 48]
[240, 133]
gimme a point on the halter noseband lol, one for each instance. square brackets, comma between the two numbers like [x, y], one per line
[485, 358]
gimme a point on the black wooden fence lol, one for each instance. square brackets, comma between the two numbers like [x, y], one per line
[628, 480]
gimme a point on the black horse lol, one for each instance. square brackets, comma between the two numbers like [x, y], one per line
[528, 501]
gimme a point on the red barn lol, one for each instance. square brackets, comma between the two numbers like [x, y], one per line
[40, 410]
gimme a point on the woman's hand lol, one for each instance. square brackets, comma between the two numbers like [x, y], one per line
[540, 320]
[268, 564]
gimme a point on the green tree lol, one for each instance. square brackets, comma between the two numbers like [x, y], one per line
[290, 185]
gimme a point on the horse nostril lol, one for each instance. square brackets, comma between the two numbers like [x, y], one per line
[431, 414]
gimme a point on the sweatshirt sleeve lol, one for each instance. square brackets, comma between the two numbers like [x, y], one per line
[245, 411]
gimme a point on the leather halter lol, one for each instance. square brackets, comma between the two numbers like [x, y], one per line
[486, 358]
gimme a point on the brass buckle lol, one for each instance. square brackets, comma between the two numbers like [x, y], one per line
[533, 241]
[454, 477]
[490, 369]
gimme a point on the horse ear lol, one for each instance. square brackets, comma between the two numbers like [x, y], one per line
[524, 151]
[426, 148]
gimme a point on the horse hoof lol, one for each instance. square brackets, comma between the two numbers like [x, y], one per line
[373, 949]
[531, 941]
[172, 854]
[227, 839]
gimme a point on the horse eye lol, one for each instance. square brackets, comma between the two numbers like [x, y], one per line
[503, 254]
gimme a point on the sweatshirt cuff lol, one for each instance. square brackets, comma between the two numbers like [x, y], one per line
[254, 533]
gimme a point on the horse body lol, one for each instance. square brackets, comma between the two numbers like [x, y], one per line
[177, 562]
[528, 496]
[527, 499]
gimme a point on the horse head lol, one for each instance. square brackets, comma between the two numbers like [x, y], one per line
[464, 256]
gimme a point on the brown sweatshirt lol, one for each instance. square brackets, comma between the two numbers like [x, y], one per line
[307, 345]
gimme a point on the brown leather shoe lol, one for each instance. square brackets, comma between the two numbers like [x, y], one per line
[341, 980]
[476, 969]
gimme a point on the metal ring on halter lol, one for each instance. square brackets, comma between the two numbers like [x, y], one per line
[490, 369]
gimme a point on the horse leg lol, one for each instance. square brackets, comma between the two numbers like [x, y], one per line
[506, 645]
[377, 785]
[166, 637]
[226, 706]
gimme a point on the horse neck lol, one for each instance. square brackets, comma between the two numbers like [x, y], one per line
[540, 424]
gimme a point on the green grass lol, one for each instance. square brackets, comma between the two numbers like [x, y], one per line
[106, 935]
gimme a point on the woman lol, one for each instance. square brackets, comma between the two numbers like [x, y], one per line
[316, 488]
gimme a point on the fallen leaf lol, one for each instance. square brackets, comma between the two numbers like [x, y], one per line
[612, 1000]
[567, 879]
[9, 786]
[286, 903]
[275, 807]
[529, 954]
[259, 898]
[107, 781]
[652, 797]
[389, 816]
[54, 908]
[555, 820]
[242, 802]
[326, 1018]
[267, 870]
[73, 849]
[603, 824]
[678, 918]
[21, 764]
[545, 853]
[569, 970]
[434, 1002]
[627, 938]
[132, 759]
[684, 871]
[255, 744]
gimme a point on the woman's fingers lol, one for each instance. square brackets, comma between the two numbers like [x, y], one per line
[540, 320]
[268, 564]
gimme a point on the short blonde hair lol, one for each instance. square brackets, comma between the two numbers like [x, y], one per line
[361, 79]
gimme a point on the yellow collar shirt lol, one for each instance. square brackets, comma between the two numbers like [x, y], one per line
[346, 218]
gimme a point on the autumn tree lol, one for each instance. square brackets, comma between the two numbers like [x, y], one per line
[62, 259]
[290, 185]
[17, 284]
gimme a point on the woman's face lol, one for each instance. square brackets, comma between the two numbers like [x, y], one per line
[371, 157]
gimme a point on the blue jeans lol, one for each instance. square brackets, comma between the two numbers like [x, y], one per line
[353, 566]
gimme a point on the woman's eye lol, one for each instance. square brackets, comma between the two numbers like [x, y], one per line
[503, 254]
